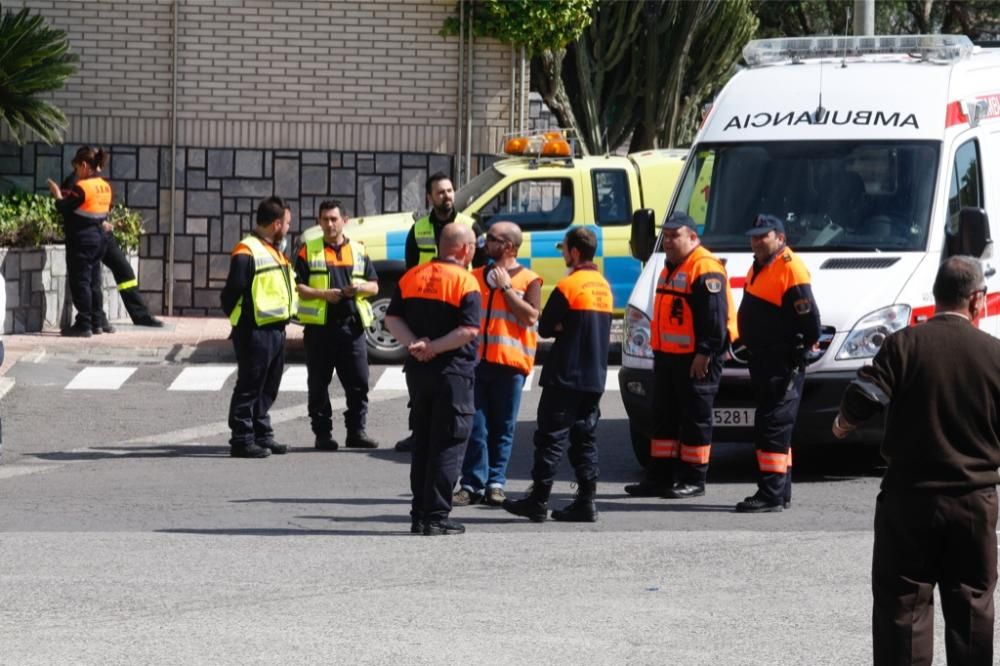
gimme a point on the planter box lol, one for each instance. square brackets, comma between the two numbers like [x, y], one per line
[38, 296]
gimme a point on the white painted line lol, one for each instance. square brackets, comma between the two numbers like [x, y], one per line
[392, 379]
[294, 379]
[529, 381]
[6, 384]
[611, 383]
[202, 378]
[100, 379]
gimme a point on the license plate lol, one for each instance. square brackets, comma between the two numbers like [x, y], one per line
[740, 417]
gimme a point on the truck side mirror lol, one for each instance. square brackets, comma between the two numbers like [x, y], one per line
[973, 234]
[643, 234]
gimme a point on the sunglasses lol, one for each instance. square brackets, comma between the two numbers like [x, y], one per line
[493, 239]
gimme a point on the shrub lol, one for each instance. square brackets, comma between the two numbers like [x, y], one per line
[30, 220]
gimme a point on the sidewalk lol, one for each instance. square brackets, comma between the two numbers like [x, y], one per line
[182, 339]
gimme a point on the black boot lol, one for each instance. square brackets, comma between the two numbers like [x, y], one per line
[581, 509]
[534, 507]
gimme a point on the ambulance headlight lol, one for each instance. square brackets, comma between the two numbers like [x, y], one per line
[867, 336]
[636, 338]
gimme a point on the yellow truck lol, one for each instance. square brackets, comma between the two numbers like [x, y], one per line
[545, 196]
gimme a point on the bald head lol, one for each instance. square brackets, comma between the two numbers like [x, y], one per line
[455, 240]
[508, 232]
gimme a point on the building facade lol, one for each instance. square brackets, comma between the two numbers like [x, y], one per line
[306, 99]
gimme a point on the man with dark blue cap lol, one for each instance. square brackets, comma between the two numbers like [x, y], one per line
[693, 322]
[778, 324]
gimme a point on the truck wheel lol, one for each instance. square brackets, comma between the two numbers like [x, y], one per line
[640, 447]
[382, 347]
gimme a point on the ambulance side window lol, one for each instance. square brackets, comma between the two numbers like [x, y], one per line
[532, 204]
[966, 183]
[611, 197]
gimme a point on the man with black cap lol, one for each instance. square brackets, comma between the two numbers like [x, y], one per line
[693, 322]
[778, 324]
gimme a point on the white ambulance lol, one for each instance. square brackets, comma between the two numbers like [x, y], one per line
[882, 156]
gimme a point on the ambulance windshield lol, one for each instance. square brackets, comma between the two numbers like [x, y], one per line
[833, 196]
[475, 188]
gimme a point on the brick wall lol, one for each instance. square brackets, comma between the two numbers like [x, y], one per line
[347, 74]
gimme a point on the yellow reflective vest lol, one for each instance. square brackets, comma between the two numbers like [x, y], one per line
[313, 310]
[274, 297]
[423, 234]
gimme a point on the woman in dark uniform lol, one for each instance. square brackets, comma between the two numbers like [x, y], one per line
[85, 208]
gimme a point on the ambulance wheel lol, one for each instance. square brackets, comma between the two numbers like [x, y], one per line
[640, 447]
[382, 347]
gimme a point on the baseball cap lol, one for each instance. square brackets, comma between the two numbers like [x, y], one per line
[678, 220]
[764, 223]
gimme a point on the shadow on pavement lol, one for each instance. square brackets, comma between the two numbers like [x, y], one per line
[131, 452]
[352, 501]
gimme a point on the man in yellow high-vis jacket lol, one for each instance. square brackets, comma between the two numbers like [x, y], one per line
[335, 280]
[260, 299]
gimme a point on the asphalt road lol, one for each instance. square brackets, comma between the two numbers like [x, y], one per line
[127, 535]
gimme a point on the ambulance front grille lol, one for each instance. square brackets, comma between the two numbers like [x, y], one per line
[858, 262]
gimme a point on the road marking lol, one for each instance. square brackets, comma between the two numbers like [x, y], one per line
[202, 378]
[100, 378]
[529, 380]
[392, 379]
[294, 380]
[611, 383]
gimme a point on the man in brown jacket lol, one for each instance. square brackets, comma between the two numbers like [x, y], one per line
[936, 516]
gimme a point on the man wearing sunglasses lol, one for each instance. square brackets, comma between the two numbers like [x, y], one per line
[936, 514]
[511, 296]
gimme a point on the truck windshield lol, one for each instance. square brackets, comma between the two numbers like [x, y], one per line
[842, 196]
[475, 188]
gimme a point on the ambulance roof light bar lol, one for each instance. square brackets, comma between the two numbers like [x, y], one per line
[557, 144]
[946, 48]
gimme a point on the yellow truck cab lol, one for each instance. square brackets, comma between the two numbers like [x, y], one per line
[545, 196]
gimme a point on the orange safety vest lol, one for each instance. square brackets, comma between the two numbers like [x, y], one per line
[761, 320]
[96, 199]
[586, 290]
[502, 338]
[673, 319]
[437, 281]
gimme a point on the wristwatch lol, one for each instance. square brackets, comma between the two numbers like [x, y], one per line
[506, 287]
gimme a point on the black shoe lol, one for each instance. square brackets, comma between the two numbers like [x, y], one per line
[405, 445]
[445, 526]
[684, 491]
[326, 443]
[529, 508]
[787, 503]
[249, 451]
[275, 448]
[97, 330]
[646, 489]
[757, 504]
[416, 526]
[105, 327]
[580, 510]
[360, 440]
[75, 331]
[148, 320]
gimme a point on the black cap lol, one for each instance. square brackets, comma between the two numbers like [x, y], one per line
[678, 220]
[765, 223]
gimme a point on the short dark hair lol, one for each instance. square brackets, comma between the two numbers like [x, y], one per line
[435, 177]
[957, 278]
[584, 240]
[330, 204]
[269, 210]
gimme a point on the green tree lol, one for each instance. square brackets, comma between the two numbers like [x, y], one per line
[978, 19]
[643, 70]
[34, 59]
[535, 25]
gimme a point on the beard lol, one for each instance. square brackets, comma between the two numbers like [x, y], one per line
[444, 211]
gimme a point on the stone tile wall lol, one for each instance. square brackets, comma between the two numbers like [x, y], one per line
[37, 294]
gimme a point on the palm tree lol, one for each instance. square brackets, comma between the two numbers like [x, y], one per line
[34, 59]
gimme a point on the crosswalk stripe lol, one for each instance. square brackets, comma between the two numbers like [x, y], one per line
[294, 379]
[392, 379]
[100, 378]
[202, 378]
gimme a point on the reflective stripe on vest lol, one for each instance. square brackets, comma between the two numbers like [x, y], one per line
[423, 234]
[96, 199]
[274, 299]
[502, 338]
[673, 317]
[313, 310]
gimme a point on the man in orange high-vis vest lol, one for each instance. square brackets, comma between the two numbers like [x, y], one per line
[434, 313]
[578, 316]
[693, 321]
[778, 323]
[512, 296]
